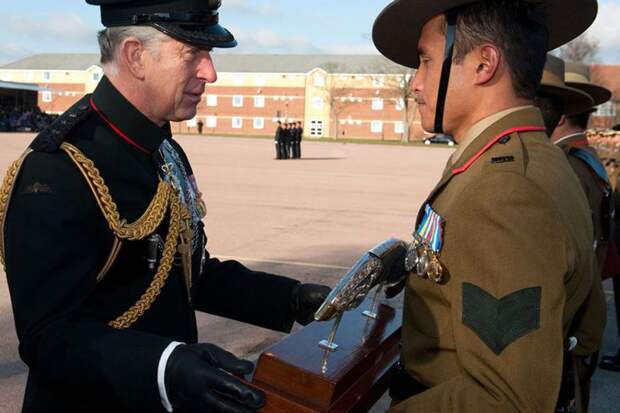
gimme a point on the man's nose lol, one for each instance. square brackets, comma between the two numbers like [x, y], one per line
[206, 69]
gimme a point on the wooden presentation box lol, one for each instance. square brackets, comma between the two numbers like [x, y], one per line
[299, 376]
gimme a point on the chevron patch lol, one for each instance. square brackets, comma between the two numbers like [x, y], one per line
[501, 322]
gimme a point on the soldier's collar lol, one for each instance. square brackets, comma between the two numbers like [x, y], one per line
[125, 120]
[527, 118]
[578, 139]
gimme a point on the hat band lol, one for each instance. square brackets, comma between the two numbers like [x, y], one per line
[552, 79]
[202, 19]
[451, 17]
[576, 78]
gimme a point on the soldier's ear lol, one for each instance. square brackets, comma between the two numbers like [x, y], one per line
[132, 56]
[488, 58]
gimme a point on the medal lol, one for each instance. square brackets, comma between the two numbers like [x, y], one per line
[423, 252]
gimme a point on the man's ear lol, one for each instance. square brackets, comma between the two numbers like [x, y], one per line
[562, 121]
[488, 61]
[132, 56]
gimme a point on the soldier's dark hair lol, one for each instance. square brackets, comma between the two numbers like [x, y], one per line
[552, 110]
[580, 120]
[517, 28]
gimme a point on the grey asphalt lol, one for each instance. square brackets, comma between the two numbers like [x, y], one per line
[309, 219]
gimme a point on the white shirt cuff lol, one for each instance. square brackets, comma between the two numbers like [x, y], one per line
[161, 372]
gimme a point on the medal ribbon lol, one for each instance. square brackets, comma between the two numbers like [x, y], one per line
[430, 230]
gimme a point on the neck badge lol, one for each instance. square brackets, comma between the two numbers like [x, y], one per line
[423, 252]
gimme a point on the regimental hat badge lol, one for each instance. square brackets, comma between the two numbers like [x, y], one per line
[424, 250]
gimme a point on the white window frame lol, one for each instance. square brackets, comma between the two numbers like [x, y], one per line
[211, 100]
[47, 76]
[237, 122]
[318, 102]
[237, 101]
[399, 127]
[376, 126]
[96, 76]
[607, 109]
[377, 104]
[316, 128]
[46, 96]
[378, 80]
[319, 80]
[259, 101]
[211, 122]
[258, 123]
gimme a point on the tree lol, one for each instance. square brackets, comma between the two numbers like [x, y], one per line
[340, 94]
[582, 49]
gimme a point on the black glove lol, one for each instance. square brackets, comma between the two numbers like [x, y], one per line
[394, 290]
[197, 379]
[306, 299]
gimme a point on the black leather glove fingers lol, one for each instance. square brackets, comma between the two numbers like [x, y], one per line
[198, 379]
[306, 299]
[394, 290]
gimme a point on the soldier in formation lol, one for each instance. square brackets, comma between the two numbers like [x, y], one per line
[501, 262]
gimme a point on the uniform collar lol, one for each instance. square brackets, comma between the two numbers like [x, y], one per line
[525, 116]
[125, 120]
[573, 138]
[478, 128]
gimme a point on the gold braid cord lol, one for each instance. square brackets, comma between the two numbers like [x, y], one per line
[148, 298]
[5, 195]
[140, 229]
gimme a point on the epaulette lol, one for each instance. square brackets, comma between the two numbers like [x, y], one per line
[53, 136]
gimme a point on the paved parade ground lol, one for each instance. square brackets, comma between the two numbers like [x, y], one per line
[309, 219]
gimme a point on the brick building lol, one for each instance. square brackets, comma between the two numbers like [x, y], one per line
[348, 96]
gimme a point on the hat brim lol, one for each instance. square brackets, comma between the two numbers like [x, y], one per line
[575, 101]
[598, 93]
[198, 35]
[396, 31]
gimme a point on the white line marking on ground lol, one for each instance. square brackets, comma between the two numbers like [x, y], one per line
[297, 263]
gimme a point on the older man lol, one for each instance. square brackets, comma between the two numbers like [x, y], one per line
[501, 262]
[104, 242]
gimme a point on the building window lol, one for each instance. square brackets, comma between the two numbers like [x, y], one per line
[238, 101]
[316, 128]
[319, 80]
[259, 123]
[96, 76]
[46, 96]
[237, 122]
[212, 100]
[400, 104]
[211, 121]
[376, 126]
[377, 104]
[607, 109]
[47, 76]
[317, 102]
[378, 81]
[259, 101]
[399, 127]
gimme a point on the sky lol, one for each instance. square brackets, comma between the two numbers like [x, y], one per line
[260, 26]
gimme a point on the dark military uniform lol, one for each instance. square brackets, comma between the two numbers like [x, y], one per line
[278, 142]
[57, 242]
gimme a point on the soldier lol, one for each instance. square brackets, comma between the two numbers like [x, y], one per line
[566, 111]
[294, 131]
[300, 135]
[104, 242]
[287, 140]
[278, 141]
[501, 262]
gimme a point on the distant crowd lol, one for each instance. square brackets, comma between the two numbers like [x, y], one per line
[14, 119]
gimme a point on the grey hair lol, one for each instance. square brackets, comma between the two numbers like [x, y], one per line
[112, 37]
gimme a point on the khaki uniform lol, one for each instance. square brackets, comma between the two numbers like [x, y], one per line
[517, 266]
[593, 186]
